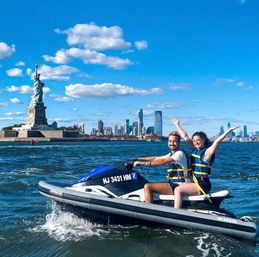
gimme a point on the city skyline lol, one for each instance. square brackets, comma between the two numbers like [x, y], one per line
[192, 60]
[136, 127]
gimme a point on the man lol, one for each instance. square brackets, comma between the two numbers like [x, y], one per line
[178, 171]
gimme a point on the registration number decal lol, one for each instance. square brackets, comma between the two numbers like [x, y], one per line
[118, 178]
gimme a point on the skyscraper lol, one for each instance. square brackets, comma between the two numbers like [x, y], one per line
[232, 133]
[127, 127]
[158, 124]
[116, 129]
[140, 122]
[221, 131]
[100, 126]
[245, 131]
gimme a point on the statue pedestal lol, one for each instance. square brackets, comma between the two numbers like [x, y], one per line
[37, 115]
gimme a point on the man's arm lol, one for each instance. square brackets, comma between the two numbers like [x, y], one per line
[153, 161]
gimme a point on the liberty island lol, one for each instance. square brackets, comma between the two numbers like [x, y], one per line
[37, 127]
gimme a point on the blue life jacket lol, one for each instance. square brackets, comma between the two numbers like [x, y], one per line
[199, 166]
[176, 173]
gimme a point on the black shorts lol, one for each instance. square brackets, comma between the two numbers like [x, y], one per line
[205, 184]
[173, 184]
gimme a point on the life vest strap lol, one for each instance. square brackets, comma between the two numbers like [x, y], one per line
[201, 165]
[196, 155]
[177, 177]
[201, 173]
[177, 170]
[200, 189]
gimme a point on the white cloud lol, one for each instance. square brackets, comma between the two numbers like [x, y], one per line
[171, 105]
[25, 89]
[96, 37]
[89, 40]
[5, 118]
[15, 72]
[46, 90]
[88, 57]
[61, 57]
[59, 98]
[6, 51]
[61, 72]
[16, 101]
[147, 113]
[20, 63]
[141, 45]
[180, 87]
[107, 90]
[3, 104]
[231, 82]
[14, 113]
[61, 120]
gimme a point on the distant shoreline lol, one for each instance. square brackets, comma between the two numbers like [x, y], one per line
[79, 139]
[87, 139]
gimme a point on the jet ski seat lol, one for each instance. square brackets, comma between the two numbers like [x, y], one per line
[219, 194]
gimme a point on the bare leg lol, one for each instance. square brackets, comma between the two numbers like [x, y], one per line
[184, 189]
[161, 188]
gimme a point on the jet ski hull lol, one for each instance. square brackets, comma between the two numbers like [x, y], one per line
[140, 212]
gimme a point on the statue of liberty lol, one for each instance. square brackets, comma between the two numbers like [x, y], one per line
[38, 87]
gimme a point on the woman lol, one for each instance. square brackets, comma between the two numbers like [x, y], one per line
[202, 158]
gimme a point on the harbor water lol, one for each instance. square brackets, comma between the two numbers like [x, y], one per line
[32, 225]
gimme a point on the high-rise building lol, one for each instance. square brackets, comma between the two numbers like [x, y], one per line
[140, 122]
[135, 128]
[100, 126]
[232, 133]
[245, 131]
[123, 131]
[158, 124]
[127, 127]
[116, 129]
[221, 131]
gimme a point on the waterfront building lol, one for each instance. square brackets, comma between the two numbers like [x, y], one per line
[150, 130]
[116, 129]
[135, 128]
[127, 127]
[107, 131]
[221, 131]
[232, 133]
[123, 130]
[81, 129]
[100, 127]
[158, 123]
[140, 122]
[245, 133]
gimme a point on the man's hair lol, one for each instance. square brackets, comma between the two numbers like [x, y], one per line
[176, 134]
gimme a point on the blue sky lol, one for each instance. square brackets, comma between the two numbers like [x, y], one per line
[196, 60]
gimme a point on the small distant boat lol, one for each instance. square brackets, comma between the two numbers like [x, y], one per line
[115, 195]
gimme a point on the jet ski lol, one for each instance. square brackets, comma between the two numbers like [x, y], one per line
[115, 195]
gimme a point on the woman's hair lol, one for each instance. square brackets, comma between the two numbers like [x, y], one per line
[176, 134]
[201, 134]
